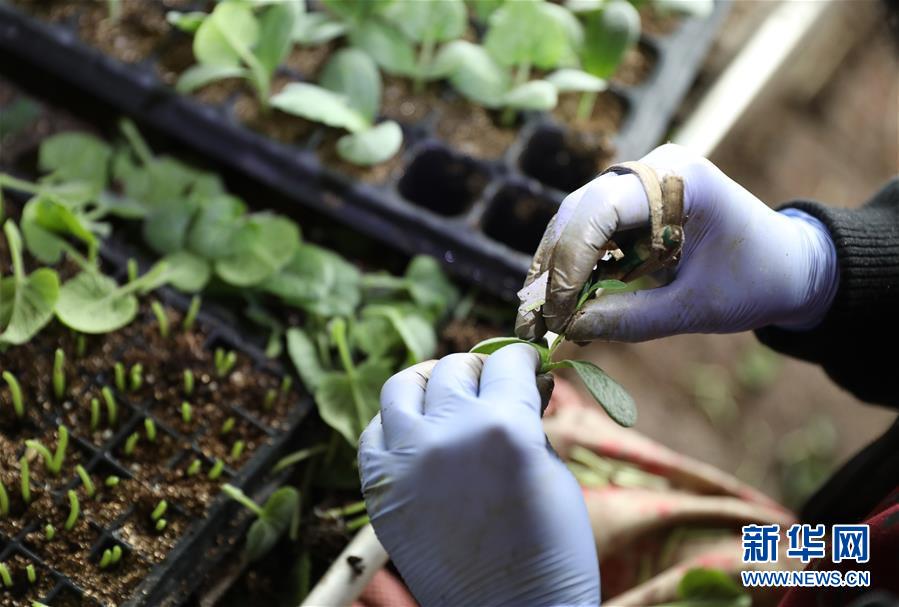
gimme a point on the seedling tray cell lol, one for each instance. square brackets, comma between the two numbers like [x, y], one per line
[483, 218]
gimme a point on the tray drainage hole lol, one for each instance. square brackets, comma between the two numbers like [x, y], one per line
[442, 182]
[518, 217]
[565, 160]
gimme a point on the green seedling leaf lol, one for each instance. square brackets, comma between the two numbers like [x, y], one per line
[47, 222]
[319, 105]
[226, 36]
[375, 336]
[276, 26]
[353, 74]
[712, 587]
[434, 21]
[700, 9]
[214, 226]
[186, 22]
[571, 80]
[429, 286]
[312, 29]
[348, 402]
[318, 281]
[305, 358]
[75, 157]
[526, 32]
[390, 49]
[605, 390]
[482, 9]
[538, 95]
[610, 286]
[165, 228]
[609, 34]
[263, 245]
[371, 146]
[489, 346]
[26, 301]
[472, 72]
[280, 508]
[187, 272]
[416, 332]
[199, 75]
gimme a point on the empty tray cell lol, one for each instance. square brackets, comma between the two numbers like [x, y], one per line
[637, 65]
[443, 182]
[564, 159]
[517, 216]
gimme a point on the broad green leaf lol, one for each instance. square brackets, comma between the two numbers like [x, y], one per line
[708, 585]
[353, 74]
[356, 10]
[416, 332]
[75, 157]
[201, 74]
[260, 247]
[609, 34]
[489, 346]
[303, 354]
[348, 404]
[375, 336]
[312, 29]
[26, 301]
[226, 36]
[429, 286]
[46, 223]
[433, 21]
[571, 80]
[279, 509]
[371, 146]
[387, 46]
[701, 9]
[165, 229]
[610, 286]
[214, 225]
[484, 8]
[472, 72]
[605, 390]
[186, 22]
[187, 271]
[93, 303]
[574, 31]
[319, 105]
[525, 32]
[275, 30]
[318, 281]
[533, 95]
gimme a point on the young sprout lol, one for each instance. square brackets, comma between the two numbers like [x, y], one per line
[15, 392]
[52, 461]
[216, 470]
[49, 532]
[228, 425]
[188, 382]
[357, 523]
[186, 412]
[269, 402]
[4, 500]
[194, 468]
[190, 317]
[86, 480]
[80, 345]
[116, 554]
[243, 499]
[95, 414]
[159, 510]
[119, 370]
[59, 373]
[137, 377]
[161, 524]
[5, 575]
[112, 409]
[131, 443]
[31, 573]
[237, 449]
[161, 318]
[224, 361]
[150, 427]
[286, 383]
[74, 510]
[25, 480]
[112, 480]
[133, 270]
[106, 559]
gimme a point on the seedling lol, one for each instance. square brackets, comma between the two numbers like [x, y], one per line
[150, 428]
[59, 373]
[272, 519]
[116, 554]
[161, 525]
[106, 559]
[194, 468]
[86, 480]
[112, 409]
[298, 456]
[119, 372]
[4, 500]
[227, 426]
[52, 461]
[15, 393]
[216, 471]
[357, 523]
[159, 510]
[188, 382]
[25, 479]
[131, 443]
[49, 532]
[95, 414]
[112, 480]
[610, 30]
[286, 384]
[190, 317]
[137, 377]
[186, 412]
[74, 510]
[5, 576]
[80, 345]
[162, 319]
[133, 270]
[237, 449]
[31, 574]
[224, 361]
[270, 396]
[606, 391]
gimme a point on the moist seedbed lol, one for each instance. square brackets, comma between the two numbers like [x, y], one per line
[444, 195]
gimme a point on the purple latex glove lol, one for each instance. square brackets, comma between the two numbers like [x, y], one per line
[743, 265]
[464, 492]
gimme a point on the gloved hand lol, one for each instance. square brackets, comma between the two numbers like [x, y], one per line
[743, 265]
[465, 493]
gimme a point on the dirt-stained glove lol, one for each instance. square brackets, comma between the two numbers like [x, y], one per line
[464, 492]
[743, 265]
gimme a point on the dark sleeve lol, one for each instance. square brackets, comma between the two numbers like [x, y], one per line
[858, 341]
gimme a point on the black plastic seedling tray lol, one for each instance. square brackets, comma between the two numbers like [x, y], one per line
[205, 540]
[482, 218]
